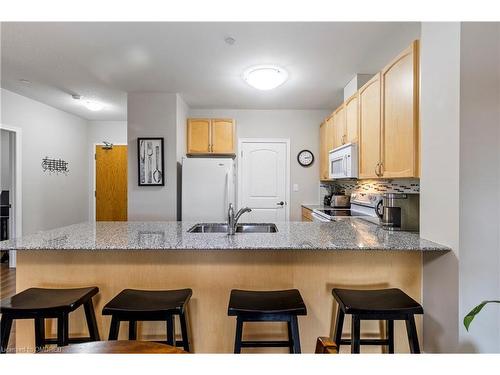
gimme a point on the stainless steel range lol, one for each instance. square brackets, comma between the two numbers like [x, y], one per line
[362, 205]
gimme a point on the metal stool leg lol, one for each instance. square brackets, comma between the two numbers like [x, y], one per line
[295, 334]
[114, 328]
[132, 330]
[411, 330]
[185, 331]
[389, 328]
[355, 334]
[5, 327]
[62, 329]
[91, 320]
[239, 334]
[39, 334]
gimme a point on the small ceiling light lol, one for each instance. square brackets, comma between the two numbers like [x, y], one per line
[265, 77]
[25, 81]
[92, 105]
[230, 40]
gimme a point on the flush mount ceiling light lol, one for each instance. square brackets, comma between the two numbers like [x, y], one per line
[265, 77]
[91, 105]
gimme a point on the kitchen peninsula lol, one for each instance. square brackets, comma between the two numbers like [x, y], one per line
[312, 257]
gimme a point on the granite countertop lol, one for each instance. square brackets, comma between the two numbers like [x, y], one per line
[346, 234]
[316, 206]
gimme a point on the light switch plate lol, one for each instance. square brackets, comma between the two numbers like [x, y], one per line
[295, 187]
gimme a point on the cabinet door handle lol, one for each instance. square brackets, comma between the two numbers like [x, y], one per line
[381, 169]
[376, 169]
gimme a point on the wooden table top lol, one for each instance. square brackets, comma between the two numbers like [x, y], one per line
[118, 347]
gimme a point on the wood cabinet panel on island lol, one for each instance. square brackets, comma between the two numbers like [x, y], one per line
[210, 136]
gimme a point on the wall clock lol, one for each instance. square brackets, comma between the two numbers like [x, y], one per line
[305, 158]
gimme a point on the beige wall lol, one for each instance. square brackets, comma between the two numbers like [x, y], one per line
[300, 126]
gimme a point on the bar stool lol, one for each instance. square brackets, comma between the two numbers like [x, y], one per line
[42, 303]
[267, 306]
[384, 304]
[134, 305]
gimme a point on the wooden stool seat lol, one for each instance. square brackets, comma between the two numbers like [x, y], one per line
[271, 306]
[148, 302]
[376, 301]
[44, 303]
[134, 305]
[119, 347]
[382, 304]
[38, 300]
[266, 302]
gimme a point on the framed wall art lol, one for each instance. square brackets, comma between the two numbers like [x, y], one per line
[151, 166]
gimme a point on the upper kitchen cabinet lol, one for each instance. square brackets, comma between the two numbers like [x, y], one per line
[369, 128]
[323, 152]
[400, 102]
[339, 127]
[210, 136]
[351, 119]
[222, 136]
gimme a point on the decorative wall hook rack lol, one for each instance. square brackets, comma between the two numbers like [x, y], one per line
[54, 165]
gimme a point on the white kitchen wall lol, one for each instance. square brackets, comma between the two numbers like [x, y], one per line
[152, 114]
[49, 201]
[182, 115]
[480, 183]
[98, 131]
[300, 126]
[5, 175]
[439, 181]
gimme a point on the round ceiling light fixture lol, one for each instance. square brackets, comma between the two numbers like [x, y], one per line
[265, 77]
[92, 105]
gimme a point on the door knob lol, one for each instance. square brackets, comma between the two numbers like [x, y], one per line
[281, 203]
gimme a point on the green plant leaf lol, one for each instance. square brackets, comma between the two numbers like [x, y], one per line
[472, 314]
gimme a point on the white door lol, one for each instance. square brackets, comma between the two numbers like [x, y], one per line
[264, 181]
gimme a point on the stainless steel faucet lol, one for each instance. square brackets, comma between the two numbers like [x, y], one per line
[232, 219]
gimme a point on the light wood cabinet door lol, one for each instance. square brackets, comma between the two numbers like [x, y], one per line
[400, 98]
[323, 153]
[198, 136]
[329, 135]
[351, 119]
[222, 136]
[369, 128]
[339, 127]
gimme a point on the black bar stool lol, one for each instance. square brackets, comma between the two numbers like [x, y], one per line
[40, 304]
[150, 305]
[270, 306]
[384, 304]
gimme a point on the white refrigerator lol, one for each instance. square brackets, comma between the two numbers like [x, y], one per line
[208, 186]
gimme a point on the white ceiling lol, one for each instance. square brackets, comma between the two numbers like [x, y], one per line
[104, 61]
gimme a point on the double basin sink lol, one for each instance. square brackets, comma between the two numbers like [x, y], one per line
[240, 228]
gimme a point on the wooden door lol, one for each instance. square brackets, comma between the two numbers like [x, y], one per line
[351, 119]
[222, 136]
[198, 136]
[369, 128]
[111, 183]
[323, 153]
[399, 145]
[264, 184]
[339, 127]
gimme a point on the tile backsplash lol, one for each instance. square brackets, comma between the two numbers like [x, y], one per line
[371, 186]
